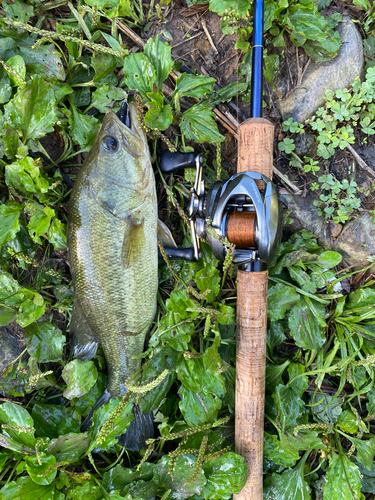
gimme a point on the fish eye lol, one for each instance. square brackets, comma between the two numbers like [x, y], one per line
[110, 143]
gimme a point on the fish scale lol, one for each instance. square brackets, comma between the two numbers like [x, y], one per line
[112, 242]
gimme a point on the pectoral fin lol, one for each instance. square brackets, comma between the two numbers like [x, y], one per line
[133, 239]
[165, 236]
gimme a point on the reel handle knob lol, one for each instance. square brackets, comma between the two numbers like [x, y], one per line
[171, 162]
[180, 253]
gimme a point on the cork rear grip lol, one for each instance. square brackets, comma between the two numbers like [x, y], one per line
[255, 148]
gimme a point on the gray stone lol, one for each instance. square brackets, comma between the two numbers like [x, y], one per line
[355, 242]
[336, 74]
[306, 145]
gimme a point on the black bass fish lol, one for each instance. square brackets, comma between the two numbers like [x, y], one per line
[113, 256]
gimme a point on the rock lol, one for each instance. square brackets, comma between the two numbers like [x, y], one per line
[335, 229]
[355, 242]
[11, 347]
[336, 74]
[306, 145]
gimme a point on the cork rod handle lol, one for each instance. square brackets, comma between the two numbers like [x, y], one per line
[255, 154]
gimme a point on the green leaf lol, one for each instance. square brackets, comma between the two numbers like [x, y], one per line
[361, 298]
[281, 298]
[39, 471]
[26, 489]
[198, 407]
[19, 11]
[49, 418]
[40, 221]
[44, 341]
[208, 278]
[343, 479]
[104, 65]
[273, 450]
[33, 109]
[104, 98]
[347, 421]
[26, 176]
[304, 328]
[273, 375]
[289, 485]
[83, 128]
[89, 490]
[239, 6]
[289, 406]
[365, 4]
[190, 85]
[182, 472]
[79, 376]
[159, 54]
[13, 144]
[118, 477]
[225, 475]
[198, 124]
[17, 76]
[140, 74]
[9, 221]
[56, 235]
[44, 61]
[69, 447]
[146, 490]
[158, 115]
[328, 408]
[14, 415]
[119, 426]
[365, 451]
[329, 259]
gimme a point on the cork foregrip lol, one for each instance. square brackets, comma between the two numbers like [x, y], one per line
[255, 148]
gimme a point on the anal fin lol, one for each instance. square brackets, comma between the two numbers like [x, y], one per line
[82, 341]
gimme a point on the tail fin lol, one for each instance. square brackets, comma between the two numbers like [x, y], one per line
[141, 427]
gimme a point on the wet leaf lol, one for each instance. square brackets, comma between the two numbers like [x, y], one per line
[14, 415]
[208, 278]
[361, 298]
[13, 144]
[56, 235]
[17, 76]
[26, 489]
[89, 490]
[139, 73]
[33, 109]
[348, 422]
[83, 128]
[328, 410]
[273, 450]
[39, 221]
[19, 10]
[343, 480]
[281, 298]
[198, 407]
[26, 176]
[159, 54]
[5, 87]
[158, 116]
[365, 451]
[69, 447]
[41, 473]
[44, 61]
[193, 85]
[9, 221]
[183, 470]
[79, 376]
[289, 485]
[289, 406]
[305, 329]
[83, 404]
[118, 477]
[104, 98]
[225, 475]
[198, 124]
[44, 341]
[141, 489]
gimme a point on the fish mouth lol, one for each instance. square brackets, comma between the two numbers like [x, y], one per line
[124, 114]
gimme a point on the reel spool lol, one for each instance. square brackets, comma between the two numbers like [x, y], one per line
[249, 216]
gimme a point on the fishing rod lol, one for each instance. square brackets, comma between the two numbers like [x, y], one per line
[245, 209]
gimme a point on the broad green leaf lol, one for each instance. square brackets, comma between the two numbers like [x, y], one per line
[304, 440]
[198, 407]
[69, 447]
[329, 259]
[225, 475]
[328, 408]
[304, 328]
[361, 298]
[44, 341]
[118, 477]
[41, 473]
[79, 376]
[13, 144]
[182, 472]
[104, 66]
[348, 422]
[289, 485]
[208, 278]
[9, 221]
[289, 406]
[39, 221]
[49, 419]
[193, 85]
[141, 489]
[5, 87]
[343, 480]
[104, 98]
[221, 6]
[158, 116]
[159, 54]
[273, 375]
[140, 74]
[16, 416]
[56, 235]
[44, 61]
[89, 491]
[365, 451]
[19, 11]
[275, 335]
[26, 489]
[281, 298]
[33, 109]
[26, 176]
[274, 451]
[119, 426]
[18, 74]
[198, 124]
[83, 404]
[83, 128]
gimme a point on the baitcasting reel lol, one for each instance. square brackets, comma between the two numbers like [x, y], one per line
[249, 216]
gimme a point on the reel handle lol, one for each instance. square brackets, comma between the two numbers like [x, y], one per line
[255, 153]
[172, 162]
